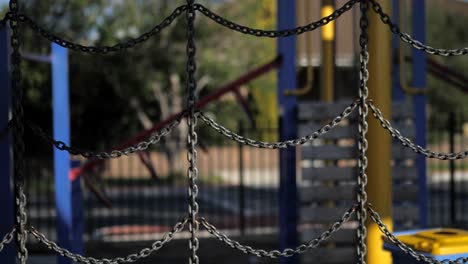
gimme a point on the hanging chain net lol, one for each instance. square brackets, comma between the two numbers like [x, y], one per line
[193, 221]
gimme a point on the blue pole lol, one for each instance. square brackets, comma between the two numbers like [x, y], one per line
[398, 94]
[6, 186]
[77, 210]
[419, 101]
[61, 126]
[288, 130]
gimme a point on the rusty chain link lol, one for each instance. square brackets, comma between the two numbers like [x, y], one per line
[281, 144]
[143, 253]
[113, 154]
[288, 252]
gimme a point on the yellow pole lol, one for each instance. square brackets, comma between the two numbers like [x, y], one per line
[379, 186]
[328, 58]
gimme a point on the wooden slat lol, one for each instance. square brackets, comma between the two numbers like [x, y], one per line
[406, 212]
[401, 193]
[321, 111]
[345, 235]
[339, 132]
[328, 152]
[349, 173]
[339, 255]
[321, 214]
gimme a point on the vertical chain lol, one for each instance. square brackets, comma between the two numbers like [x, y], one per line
[18, 131]
[362, 143]
[192, 170]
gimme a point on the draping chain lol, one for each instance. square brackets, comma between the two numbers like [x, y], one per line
[288, 252]
[7, 239]
[140, 146]
[18, 132]
[406, 249]
[377, 113]
[413, 42]
[275, 33]
[362, 127]
[192, 171]
[157, 245]
[103, 49]
[281, 144]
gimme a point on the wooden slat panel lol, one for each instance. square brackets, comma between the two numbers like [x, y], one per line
[323, 193]
[321, 214]
[406, 212]
[328, 152]
[339, 132]
[321, 111]
[347, 193]
[329, 174]
[404, 173]
[401, 110]
[340, 255]
[345, 235]
[349, 173]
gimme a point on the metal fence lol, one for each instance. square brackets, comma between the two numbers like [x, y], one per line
[448, 180]
[126, 200]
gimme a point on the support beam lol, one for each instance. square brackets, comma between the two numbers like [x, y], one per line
[66, 219]
[419, 102]
[288, 129]
[6, 173]
[379, 186]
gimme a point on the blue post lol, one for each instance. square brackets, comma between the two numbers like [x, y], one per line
[6, 187]
[288, 130]
[419, 101]
[63, 185]
[398, 94]
[77, 210]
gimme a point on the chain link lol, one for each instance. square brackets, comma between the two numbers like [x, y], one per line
[362, 127]
[103, 49]
[275, 33]
[18, 133]
[405, 37]
[288, 252]
[128, 259]
[406, 249]
[377, 113]
[140, 146]
[7, 239]
[281, 144]
[192, 171]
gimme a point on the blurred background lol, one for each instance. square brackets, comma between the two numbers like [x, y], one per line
[130, 201]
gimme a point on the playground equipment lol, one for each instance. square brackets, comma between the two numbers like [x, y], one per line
[288, 135]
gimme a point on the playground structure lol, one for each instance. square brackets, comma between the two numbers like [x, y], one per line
[288, 189]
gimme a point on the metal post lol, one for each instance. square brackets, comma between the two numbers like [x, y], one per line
[451, 129]
[419, 102]
[328, 54]
[63, 185]
[379, 186]
[6, 173]
[288, 129]
[241, 183]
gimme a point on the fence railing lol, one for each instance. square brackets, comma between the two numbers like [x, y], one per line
[127, 199]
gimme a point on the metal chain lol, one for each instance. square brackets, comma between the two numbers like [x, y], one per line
[18, 132]
[103, 49]
[281, 144]
[406, 249]
[275, 33]
[362, 127]
[7, 239]
[157, 245]
[288, 252]
[140, 146]
[192, 171]
[377, 113]
[413, 42]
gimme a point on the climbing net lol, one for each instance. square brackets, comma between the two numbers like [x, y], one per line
[191, 114]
